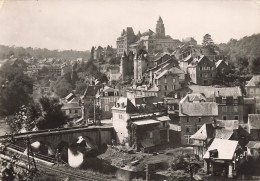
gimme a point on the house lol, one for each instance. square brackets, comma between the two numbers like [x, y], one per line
[253, 91]
[229, 99]
[253, 149]
[220, 129]
[114, 73]
[202, 71]
[254, 126]
[107, 99]
[222, 67]
[173, 99]
[194, 111]
[141, 122]
[231, 103]
[72, 110]
[223, 157]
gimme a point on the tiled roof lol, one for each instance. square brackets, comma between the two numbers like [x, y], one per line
[91, 90]
[254, 121]
[249, 100]
[72, 105]
[146, 122]
[228, 91]
[69, 97]
[228, 124]
[253, 144]
[219, 62]
[193, 97]
[206, 131]
[199, 109]
[225, 148]
[150, 104]
[207, 91]
[107, 89]
[255, 81]
[223, 134]
[125, 104]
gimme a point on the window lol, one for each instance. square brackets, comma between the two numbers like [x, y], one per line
[187, 119]
[224, 117]
[151, 134]
[120, 116]
[106, 100]
[200, 75]
[165, 80]
[173, 80]
[115, 93]
[224, 100]
[235, 108]
[224, 108]
[200, 68]
[199, 119]
[107, 108]
[76, 111]
[187, 139]
[173, 87]
[106, 94]
[236, 117]
[165, 87]
[111, 99]
[188, 128]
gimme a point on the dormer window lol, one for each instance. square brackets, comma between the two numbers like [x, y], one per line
[106, 94]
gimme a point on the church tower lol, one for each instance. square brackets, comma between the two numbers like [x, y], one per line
[160, 30]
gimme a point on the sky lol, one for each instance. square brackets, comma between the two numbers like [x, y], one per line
[81, 24]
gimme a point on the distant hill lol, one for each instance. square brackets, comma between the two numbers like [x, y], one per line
[244, 53]
[7, 51]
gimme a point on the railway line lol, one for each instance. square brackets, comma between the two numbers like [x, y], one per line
[47, 164]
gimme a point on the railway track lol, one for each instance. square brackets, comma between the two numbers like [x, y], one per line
[51, 168]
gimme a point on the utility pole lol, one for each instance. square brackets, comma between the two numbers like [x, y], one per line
[94, 116]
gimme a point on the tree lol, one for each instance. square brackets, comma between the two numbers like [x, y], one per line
[51, 114]
[15, 89]
[26, 118]
[62, 87]
[255, 65]
[207, 41]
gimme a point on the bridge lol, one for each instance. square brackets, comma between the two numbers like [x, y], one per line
[48, 142]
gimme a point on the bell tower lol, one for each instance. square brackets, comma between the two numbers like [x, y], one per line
[160, 30]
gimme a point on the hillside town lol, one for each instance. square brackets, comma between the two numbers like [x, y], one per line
[164, 108]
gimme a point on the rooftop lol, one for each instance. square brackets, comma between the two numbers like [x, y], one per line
[253, 144]
[199, 109]
[146, 122]
[225, 148]
[255, 81]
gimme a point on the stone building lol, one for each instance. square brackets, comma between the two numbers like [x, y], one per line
[253, 91]
[141, 123]
[202, 71]
[194, 111]
[150, 41]
[107, 99]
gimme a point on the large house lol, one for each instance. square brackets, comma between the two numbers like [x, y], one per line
[253, 91]
[141, 122]
[194, 111]
[107, 99]
[202, 71]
